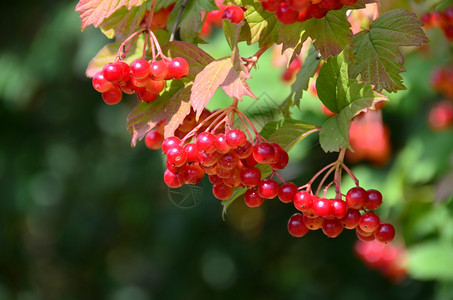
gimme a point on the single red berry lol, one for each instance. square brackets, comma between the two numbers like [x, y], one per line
[178, 68]
[206, 142]
[304, 16]
[287, 192]
[222, 192]
[316, 11]
[270, 5]
[245, 151]
[268, 188]
[303, 201]
[101, 84]
[263, 153]
[369, 222]
[355, 198]
[351, 219]
[299, 5]
[176, 156]
[296, 225]
[250, 176]
[221, 144]
[385, 233]
[158, 70]
[321, 207]
[236, 138]
[128, 88]
[249, 161]
[339, 209]
[286, 14]
[193, 174]
[373, 199]
[140, 68]
[313, 223]
[154, 86]
[170, 142]
[224, 173]
[125, 71]
[145, 96]
[252, 198]
[207, 159]
[113, 72]
[332, 228]
[154, 139]
[281, 159]
[228, 160]
[192, 152]
[173, 180]
[234, 180]
[234, 13]
[173, 168]
[363, 237]
[112, 96]
[329, 4]
[214, 179]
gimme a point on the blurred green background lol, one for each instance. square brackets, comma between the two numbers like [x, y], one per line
[85, 216]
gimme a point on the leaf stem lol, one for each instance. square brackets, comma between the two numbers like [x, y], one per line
[178, 17]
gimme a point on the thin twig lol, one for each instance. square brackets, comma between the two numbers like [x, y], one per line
[178, 17]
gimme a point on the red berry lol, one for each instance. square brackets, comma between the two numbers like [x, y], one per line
[252, 198]
[154, 86]
[207, 159]
[234, 180]
[178, 68]
[351, 219]
[313, 223]
[173, 180]
[303, 200]
[339, 209]
[296, 225]
[140, 68]
[263, 153]
[177, 156]
[192, 152]
[214, 179]
[158, 70]
[250, 176]
[125, 71]
[316, 11]
[228, 161]
[355, 198]
[332, 228]
[222, 192]
[221, 144]
[101, 84]
[145, 96]
[270, 5]
[329, 4]
[154, 139]
[249, 161]
[281, 159]
[299, 5]
[385, 233]
[193, 174]
[245, 151]
[236, 138]
[369, 222]
[268, 188]
[286, 14]
[363, 237]
[113, 72]
[112, 96]
[321, 207]
[349, 2]
[170, 142]
[234, 13]
[373, 199]
[206, 142]
[287, 192]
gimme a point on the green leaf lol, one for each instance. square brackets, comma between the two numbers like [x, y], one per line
[108, 53]
[190, 20]
[292, 38]
[94, 12]
[123, 21]
[329, 34]
[377, 56]
[334, 133]
[431, 261]
[163, 3]
[309, 67]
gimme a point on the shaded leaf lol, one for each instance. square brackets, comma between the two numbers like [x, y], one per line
[123, 21]
[377, 56]
[309, 67]
[292, 38]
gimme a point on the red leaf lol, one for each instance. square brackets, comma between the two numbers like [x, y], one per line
[94, 12]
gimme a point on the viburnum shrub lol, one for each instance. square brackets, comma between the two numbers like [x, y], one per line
[156, 57]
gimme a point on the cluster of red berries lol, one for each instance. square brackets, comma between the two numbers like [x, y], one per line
[440, 116]
[333, 215]
[388, 259]
[290, 11]
[290, 72]
[214, 18]
[144, 78]
[441, 80]
[441, 19]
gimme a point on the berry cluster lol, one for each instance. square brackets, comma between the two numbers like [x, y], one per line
[441, 80]
[332, 215]
[214, 18]
[144, 78]
[388, 259]
[440, 116]
[290, 11]
[441, 19]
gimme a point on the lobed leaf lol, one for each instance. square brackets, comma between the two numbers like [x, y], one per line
[123, 21]
[377, 56]
[307, 71]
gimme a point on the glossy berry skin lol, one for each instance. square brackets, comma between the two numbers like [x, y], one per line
[385, 233]
[101, 84]
[214, 179]
[193, 174]
[268, 188]
[321, 207]
[362, 237]
[313, 223]
[158, 70]
[173, 180]
[140, 68]
[351, 219]
[112, 96]
[250, 176]
[369, 222]
[145, 96]
[228, 161]
[178, 68]
[286, 14]
[263, 153]
[339, 209]
[235, 138]
[252, 198]
[373, 199]
[303, 200]
[125, 71]
[222, 192]
[170, 142]
[316, 11]
[245, 151]
[282, 160]
[154, 139]
[221, 144]
[355, 198]
[112, 72]
[287, 192]
[234, 13]
[332, 228]
[206, 142]
[296, 225]
[155, 86]
[192, 152]
[270, 5]
[177, 156]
